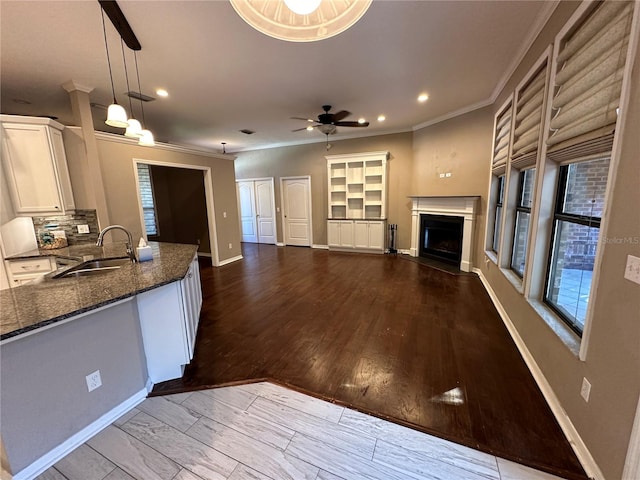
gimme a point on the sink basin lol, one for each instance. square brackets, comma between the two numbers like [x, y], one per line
[92, 267]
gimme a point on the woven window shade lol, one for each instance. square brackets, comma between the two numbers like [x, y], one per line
[526, 135]
[501, 141]
[588, 83]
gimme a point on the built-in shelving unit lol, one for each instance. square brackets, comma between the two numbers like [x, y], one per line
[357, 186]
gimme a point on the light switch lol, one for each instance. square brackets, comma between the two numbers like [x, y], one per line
[632, 270]
[224, 214]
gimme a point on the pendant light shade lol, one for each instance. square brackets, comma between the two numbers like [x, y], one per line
[147, 139]
[134, 129]
[117, 116]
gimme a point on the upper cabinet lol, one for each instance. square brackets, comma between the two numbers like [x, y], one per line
[35, 166]
[357, 185]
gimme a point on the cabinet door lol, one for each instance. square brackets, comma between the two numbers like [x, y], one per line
[29, 169]
[361, 237]
[376, 235]
[333, 233]
[192, 303]
[346, 233]
[62, 169]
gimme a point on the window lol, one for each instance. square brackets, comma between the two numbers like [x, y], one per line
[523, 217]
[576, 228]
[498, 214]
[145, 183]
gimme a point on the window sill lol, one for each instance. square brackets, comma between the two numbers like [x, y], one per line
[566, 335]
[491, 256]
[514, 279]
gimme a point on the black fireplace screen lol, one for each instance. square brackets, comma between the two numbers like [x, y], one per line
[441, 238]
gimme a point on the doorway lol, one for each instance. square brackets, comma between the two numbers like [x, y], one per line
[256, 204]
[176, 204]
[296, 210]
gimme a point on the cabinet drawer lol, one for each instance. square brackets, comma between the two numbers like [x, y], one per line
[30, 266]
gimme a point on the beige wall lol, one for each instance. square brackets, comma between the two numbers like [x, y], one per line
[116, 161]
[612, 364]
[310, 160]
[460, 146]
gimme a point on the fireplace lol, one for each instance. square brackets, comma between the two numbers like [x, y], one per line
[441, 238]
[454, 209]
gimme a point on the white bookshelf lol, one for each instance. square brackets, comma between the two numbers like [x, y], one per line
[357, 186]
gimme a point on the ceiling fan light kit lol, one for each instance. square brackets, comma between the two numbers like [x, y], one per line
[287, 19]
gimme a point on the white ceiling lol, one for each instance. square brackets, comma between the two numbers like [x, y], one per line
[223, 76]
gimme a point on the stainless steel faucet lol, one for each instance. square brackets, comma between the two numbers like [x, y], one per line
[130, 252]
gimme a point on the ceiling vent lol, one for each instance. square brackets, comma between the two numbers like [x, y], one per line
[140, 96]
[246, 131]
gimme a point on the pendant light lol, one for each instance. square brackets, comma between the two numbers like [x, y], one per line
[116, 114]
[147, 137]
[134, 129]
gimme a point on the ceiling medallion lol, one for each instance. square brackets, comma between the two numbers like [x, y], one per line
[276, 19]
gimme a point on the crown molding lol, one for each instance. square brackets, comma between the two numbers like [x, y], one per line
[72, 86]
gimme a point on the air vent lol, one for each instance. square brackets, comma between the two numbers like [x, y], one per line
[98, 105]
[140, 96]
[246, 131]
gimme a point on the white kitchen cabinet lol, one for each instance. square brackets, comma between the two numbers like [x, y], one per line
[169, 317]
[340, 233]
[24, 270]
[35, 166]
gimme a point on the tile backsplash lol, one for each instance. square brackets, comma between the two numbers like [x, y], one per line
[69, 223]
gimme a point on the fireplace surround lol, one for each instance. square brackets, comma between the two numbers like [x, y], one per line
[445, 209]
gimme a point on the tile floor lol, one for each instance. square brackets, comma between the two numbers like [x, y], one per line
[263, 431]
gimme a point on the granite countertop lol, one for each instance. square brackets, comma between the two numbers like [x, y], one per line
[46, 300]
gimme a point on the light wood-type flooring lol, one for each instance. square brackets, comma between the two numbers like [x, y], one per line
[262, 431]
[379, 334]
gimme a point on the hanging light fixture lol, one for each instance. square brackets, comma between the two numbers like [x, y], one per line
[134, 129]
[116, 114]
[146, 138]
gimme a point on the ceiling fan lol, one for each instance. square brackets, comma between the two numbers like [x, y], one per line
[327, 122]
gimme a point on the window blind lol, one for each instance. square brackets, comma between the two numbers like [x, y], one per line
[146, 196]
[528, 121]
[501, 141]
[588, 83]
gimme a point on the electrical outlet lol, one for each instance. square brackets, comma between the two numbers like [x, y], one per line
[83, 228]
[93, 380]
[224, 214]
[632, 269]
[585, 391]
[230, 246]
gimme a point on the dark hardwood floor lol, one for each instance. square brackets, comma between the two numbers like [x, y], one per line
[396, 339]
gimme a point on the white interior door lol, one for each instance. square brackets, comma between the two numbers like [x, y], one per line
[246, 202]
[265, 211]
[296, 202]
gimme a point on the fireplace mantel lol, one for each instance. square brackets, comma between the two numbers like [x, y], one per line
[453, 206]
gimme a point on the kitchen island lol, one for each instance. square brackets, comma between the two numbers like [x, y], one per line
[132, 327]
[48, 300]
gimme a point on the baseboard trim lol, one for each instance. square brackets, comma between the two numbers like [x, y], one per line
[579, 447]
[204, 254]
[230, 260]
[52, 457]
[320, 247]
[279, 244]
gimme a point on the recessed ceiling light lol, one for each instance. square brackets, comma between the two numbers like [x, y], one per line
[361, 121]
[161, 92]
[423, 97]
[381, 118]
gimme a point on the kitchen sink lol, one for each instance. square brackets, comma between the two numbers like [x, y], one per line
[91, 267]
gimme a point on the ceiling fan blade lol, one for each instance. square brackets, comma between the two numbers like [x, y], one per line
[351, 124]
[300, 118]
[303, 128]
[340, 115]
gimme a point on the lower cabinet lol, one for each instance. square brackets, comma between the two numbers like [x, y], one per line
[24, 270]
[169, 317]
[358, 235]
